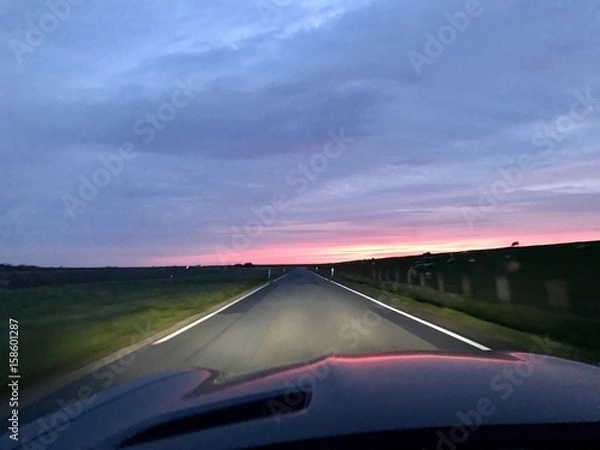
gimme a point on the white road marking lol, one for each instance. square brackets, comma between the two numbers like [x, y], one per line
[416, 319]
[214, 313]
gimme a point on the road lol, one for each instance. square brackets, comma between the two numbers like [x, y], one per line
[297, 318]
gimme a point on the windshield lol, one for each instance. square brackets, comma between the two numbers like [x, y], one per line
[245, 186]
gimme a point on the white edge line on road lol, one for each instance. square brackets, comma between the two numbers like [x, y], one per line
[214, 313]
[416, 319]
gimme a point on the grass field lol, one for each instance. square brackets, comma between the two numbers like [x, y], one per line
[64, 327]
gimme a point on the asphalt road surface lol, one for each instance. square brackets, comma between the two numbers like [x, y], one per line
[297, 318]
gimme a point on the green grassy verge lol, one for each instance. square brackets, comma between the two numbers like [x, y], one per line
[65, 327]
[500, 326]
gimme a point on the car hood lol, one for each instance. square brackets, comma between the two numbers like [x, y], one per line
[332, 396]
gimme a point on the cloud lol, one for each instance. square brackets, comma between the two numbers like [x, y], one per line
[269, 85]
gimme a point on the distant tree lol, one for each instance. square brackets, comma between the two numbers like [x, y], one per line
[515, 244]
[248, 265]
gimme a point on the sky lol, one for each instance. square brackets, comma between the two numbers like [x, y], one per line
[148, 132]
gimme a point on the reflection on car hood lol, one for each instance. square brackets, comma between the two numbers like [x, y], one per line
[333, 396]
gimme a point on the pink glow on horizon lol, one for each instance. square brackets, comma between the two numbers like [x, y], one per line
[350, 248]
